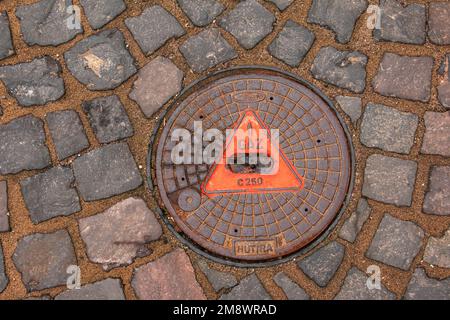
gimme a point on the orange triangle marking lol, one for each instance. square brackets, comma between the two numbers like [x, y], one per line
[277, 175]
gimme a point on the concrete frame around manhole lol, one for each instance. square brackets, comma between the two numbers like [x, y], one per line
[196, 247]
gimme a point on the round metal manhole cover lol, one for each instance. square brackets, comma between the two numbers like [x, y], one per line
[251, 165]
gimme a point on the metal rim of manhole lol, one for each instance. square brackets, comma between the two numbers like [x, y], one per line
[241, 215]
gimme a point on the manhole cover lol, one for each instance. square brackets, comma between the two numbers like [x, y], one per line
[260, 198]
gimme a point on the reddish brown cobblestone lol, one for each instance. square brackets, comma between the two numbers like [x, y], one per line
[171, 277]
[437, 134]
[439, 28]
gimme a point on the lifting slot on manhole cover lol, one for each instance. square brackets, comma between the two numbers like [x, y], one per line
[252, 166]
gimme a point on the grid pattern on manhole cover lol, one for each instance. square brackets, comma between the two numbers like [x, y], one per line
[257, 226]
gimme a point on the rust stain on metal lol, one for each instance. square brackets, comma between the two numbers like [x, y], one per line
[249, 97]
[252, 224]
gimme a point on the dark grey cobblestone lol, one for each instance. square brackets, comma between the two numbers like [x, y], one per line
[153, 28]
[355, 288]
[394, 77]
[422, 287]
[249, 22]
[101, 12]
[338, 15]
[444, 85]
[438, 26]
[292, 44]
[67, 133]
[250, 288]
[3, 277]
[437, 199]
[4, 213]
[322, 265]
[396, 242]
[218, 279]
[106, 172]
[389, 180]
[443, 70]
[201, 12]
[281, 4]
[437, 251]
[354, 224]
[43, 259]
[292, 290]
[22, 146]
[344, 69]
[402, 24]
[388, 129]
[157, 82]
[45, 22]
[352, 106]
[444, 94]
[6, 44]
[50, 194]
[108, 119]
[120, 234]
[101, 61]
[207, 49]
[34, 83]
[109, 289]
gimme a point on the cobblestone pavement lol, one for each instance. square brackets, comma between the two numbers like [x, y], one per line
[77, 108]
